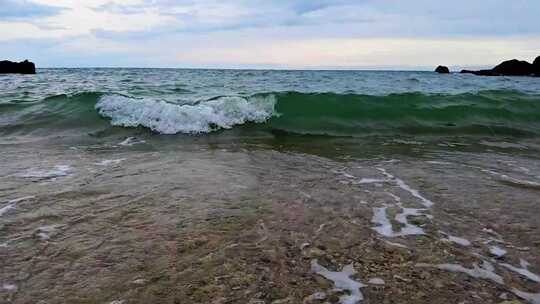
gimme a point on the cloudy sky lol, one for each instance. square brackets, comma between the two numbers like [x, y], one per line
[360, 34]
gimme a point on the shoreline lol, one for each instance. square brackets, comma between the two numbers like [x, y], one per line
[145, 224]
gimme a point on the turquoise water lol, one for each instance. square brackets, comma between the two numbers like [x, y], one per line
[328, 103]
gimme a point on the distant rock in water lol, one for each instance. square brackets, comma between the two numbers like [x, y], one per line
[536, 66]
[479, 73]
[24, 67]
[442, 70]
[512, 67]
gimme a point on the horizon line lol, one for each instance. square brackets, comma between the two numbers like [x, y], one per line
[345, 69]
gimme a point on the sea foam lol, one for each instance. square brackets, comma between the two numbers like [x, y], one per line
[57, 171]
[169, 118]
[6, 208]
[482, 271]
[523, 270]
[342, 281]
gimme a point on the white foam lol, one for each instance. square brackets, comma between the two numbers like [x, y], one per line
[533, 298]
[117, 302]
[315, 296]
[203, 117]
[18, 200]
[501, 144]
[305, 194]
[400, 183]
[409, 229]
[395, 197]
[455, 239]
[304, 245]
[525, 170]
[130, 141]
[12, 203]
[513, 180]
[347, 175]
[385, 226]
[342, 281]
[109, 162]
[376, 281]
[524, 270]
[434, 162]
[139, 281]
[9, 287]
[484, 271]
[459, 241]
[321, 227]
[371, 181]
[490, 231]
[497, 251]
[6, 208]
[45, 232]
[57, 171]
[397, 244]
[408, 142]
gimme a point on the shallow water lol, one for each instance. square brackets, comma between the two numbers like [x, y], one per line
[96, 213]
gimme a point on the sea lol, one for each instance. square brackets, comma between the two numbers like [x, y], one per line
[128, 185]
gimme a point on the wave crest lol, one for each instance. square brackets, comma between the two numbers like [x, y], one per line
[328, 114]
[167, 118]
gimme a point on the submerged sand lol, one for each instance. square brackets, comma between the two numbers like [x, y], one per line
[136, 222]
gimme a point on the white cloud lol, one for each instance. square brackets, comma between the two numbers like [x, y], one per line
[295, 33]
[81, 18]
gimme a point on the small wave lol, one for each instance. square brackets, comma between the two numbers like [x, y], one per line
[486, 112]
[59, 112]
[204, 117]
[328, 114]
[489, 112]
[57, 171]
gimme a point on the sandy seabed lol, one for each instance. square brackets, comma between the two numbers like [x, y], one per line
[133, 222]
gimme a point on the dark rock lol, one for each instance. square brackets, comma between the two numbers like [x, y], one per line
[479, 73]
[514, 67]
[25, 67]
[536, 66]
[442, 70]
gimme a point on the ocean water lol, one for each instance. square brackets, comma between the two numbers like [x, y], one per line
[231, 186]
[328, 103]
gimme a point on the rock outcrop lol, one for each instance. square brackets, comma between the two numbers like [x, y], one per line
[512, 67]
[24, 67]
[442, 70]
[479, 73]
[536, 66]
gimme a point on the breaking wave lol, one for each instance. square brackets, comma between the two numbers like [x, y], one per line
[168, 118]
[485, 112]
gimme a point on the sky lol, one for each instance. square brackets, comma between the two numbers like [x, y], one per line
[278, 34]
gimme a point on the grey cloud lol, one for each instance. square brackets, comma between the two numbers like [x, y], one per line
[24, 9]
[389, 18]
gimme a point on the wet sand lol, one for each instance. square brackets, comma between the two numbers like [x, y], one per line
[244, 223]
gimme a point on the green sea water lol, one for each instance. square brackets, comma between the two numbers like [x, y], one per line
[242, 104]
